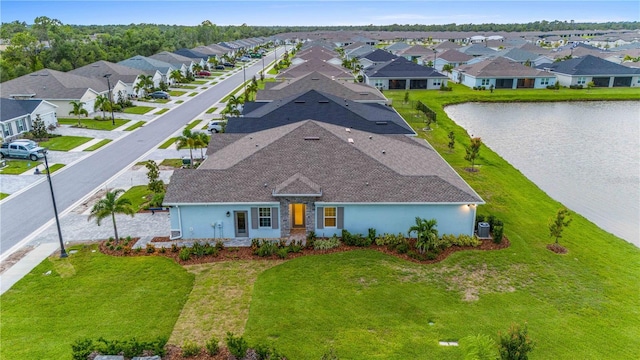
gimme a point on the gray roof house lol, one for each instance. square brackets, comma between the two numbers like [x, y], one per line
[179, 62]
[375, 57]
[160, 70]
[16, 116]
[319, 106]
[401, 73]
[56, 87]
[477, 50]
[418, 53]
[122, 78]
[315, 176]
[603, 73]
[313, 65]
[316, 81]
[398, 46]
[502, 73]
[451, 57]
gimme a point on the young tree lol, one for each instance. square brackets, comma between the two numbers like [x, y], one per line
[472, 151]
[111, 205]
[516, 344]
[78, 109]
[38, 130]
[447, 68]
[479, 347]
[176, 76]
[155, 184]
[102, 103]
[187, 140]
[452, 141]
[426, 234]
[557, 224]
[406, 97]
[202, 141]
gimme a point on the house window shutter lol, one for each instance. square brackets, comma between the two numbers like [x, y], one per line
[320, 213]
[274, 218]
[254, 217]
[340, 217]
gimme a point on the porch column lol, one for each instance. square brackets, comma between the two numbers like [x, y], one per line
[285, 226]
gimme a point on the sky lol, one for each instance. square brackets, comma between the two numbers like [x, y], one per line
[321, 13]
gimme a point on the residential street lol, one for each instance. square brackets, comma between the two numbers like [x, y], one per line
[24, 213]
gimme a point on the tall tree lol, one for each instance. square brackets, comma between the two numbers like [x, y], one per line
[557, 224]
[472, 151]
[202, 141]
[102, 103]
[187, 140]
[176, 76]
[78, 109]
[109, 206]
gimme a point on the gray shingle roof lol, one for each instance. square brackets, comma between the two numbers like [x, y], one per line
[454, 56]
[52, 84]
[172, 58]
[100, 68]
[317, 81]
[590, 65]
[500, 67]
[369, 169]
[191, 54]
[518, 55]
[147, 64]
[312, 65]
[11, 109]
[401, 67]
[371, 117]
[379, 55]
[476, 50]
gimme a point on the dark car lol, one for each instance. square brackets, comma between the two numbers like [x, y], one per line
[159, 95]
[228, 64]
[219, 67]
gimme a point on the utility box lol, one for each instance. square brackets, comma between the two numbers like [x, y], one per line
[186, 161]
[483, 230]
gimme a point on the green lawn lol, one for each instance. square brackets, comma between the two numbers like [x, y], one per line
[55, 167]
[193, 124]
[18, 166]
[177, 93]
[176, 163]
[135, 126]
[3, 195]
[64, 143]
[162, 111]
[188, 87]
[179, 101]
[193, 94]
[106, 124]
[98, 145]
[138, 110]
[139, 196]
[199, 82]
[167, 143]
[90, 295]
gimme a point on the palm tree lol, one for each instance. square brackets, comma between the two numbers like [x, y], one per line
[187, 140]
[201, 141]
[102, 103]
[426, 234]
[196, 68]
[447, 68]
[252, 88]
[111, 205]
[78, 109]
[145, 83]
[176, 75]
[232, 106]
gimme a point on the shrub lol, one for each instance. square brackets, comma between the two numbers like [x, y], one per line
[266, 248]
[295, 246]
[212, 346]
[466, 240]
[237, 345]
[185, 254]
[198, 249]
[190, 348]
[402, 248]
[355, 239]
[326, 244]
[283, 253]
[219, 245]
[210, 250]
[81, 349]
[151, 249]
[516, 344]
[111, 247]
[119, 247]
[447, 240]
[266, 352]
[498, 232]
[311, 236]
[162, 250]
[174, 248]
[371, 235]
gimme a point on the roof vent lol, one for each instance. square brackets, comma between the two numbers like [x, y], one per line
[384, 151]
[350, 140]
[323, 101]
[370, 137]
[299, 101]
[348, 130]
[382, 122]
[312, 138]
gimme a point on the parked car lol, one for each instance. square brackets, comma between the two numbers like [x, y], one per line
[219, 67]
[25, 149]
[245, 59]
[204, 73]
[216, 126]
[228, 64]
[159, 95]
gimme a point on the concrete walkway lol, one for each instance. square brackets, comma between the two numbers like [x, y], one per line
[25, 265]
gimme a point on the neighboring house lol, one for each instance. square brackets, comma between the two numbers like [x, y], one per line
[397, 47]
[316, 81]
[401, 74]
[159, 70]
[359, 51]
[376, 57]
[179, 62]
[313, 104]
[16, 116]
[195, 56]
[518, 55]
[502, 73]
[316, 52]
[316, 65]
[56, 87]
[603, 73]
[122, 78]
[477, 50]
[314, 176]
[451, 57]
[447, 45]
[419, 54]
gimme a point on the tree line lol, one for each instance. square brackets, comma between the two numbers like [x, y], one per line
[48, 43]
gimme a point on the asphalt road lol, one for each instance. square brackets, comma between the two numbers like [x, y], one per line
[25, 213]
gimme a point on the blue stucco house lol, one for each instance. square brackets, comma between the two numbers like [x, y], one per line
[316, 176]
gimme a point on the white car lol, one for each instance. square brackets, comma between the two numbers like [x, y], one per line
[216, 126]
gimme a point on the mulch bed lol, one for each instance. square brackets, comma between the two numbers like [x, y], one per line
[557, 248]
[246, 253]
[175, 353]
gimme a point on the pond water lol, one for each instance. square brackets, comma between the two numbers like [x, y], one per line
[584, 154]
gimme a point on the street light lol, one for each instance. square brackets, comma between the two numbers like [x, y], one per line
[244, 79]
[63, 252]
[113, 120]
[435, 57]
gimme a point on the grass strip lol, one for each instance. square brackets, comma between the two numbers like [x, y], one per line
[193, 94]
[93, 124]
[135, 126]
[166, 144]
[162, 111]
[138, 110]
[193, 124]
[17, 167]
[64, 143]
[177, 93]
[139, 195]
[212, 110]
[176, 163]
[3, 195]
[98, 145]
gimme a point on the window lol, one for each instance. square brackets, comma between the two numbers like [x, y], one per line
[582, 80]
[20, 124]
[330, 217]
[437, 82]
[485, 82]
[544, 81]
[7, 130]
[379, 83]
[264, 217]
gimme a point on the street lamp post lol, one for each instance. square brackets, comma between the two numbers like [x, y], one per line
[63, 252]
[113, 120]
[244, 79]
[435, 57]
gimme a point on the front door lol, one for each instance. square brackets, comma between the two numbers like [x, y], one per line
[298, 215]
[241, 223]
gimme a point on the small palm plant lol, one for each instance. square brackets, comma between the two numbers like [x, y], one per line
[78, 109]
[111, 205]
[426, 234]
[189, 140]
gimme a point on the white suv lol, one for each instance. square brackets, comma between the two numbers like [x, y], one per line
[216, 126]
